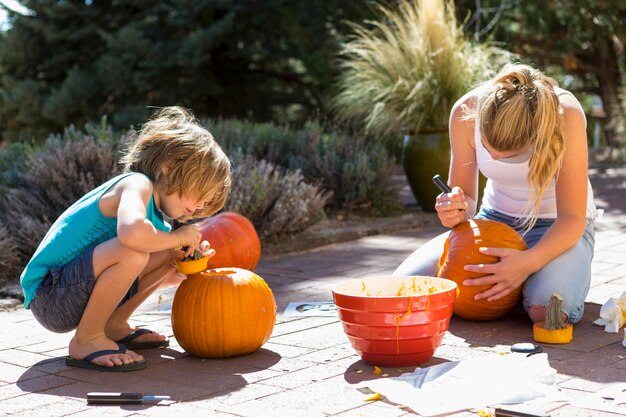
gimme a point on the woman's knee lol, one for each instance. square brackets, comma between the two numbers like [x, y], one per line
[425, 259]
[537, 313]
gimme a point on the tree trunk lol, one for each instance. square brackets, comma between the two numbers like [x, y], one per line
[610, 79]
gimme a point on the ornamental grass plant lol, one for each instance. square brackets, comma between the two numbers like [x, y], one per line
[405, 71]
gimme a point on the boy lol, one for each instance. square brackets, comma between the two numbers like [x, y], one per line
[112, 248]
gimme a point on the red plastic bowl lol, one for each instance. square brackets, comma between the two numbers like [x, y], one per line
[395, 320]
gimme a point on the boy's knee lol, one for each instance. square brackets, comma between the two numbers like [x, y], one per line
[136, 260]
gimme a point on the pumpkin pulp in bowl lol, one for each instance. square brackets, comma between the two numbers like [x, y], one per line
[192, 264]
[395, 320]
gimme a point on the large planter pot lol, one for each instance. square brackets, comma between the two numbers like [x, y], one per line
[424, 155]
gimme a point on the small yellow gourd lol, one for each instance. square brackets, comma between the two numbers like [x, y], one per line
[553, 330]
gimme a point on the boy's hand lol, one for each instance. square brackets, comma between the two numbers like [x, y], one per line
[188, 236]
[205, 249]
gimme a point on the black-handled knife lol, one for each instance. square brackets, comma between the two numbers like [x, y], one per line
[122, 398]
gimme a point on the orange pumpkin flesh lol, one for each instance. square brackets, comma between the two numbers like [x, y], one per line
[234, 239]
[223, 312]
[460, 249]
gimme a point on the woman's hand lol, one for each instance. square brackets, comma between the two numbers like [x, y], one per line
[451, 207]
[504, 276]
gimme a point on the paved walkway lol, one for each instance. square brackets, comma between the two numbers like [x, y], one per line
[308, 368]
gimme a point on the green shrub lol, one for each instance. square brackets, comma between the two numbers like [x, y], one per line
[265, 141]
[9, 268]
[12, 160]
[358, 172]
[276, 200]
[355, 170]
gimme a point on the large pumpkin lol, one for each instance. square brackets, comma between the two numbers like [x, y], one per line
[460, 249]
[234, 239]
[223, 312]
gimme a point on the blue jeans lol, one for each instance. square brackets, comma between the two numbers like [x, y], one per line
[569, 274]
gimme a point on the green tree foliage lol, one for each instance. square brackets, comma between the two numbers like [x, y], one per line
[71, 62]
[585, 38]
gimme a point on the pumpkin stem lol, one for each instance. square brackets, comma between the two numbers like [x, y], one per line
[554, 320]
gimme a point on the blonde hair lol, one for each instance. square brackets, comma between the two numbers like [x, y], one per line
[196, 164]
[520, 109]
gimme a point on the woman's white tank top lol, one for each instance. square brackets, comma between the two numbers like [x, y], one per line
[507, 190]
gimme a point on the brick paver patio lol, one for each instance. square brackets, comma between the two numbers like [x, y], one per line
[308, 367]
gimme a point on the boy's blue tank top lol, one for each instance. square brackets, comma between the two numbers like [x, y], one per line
[80, 227]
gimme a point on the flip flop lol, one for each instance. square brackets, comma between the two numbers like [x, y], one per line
[87, 363]
[128, 341]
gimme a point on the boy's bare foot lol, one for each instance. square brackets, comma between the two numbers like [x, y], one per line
[135, 338]
[119, 332]
[79, 349]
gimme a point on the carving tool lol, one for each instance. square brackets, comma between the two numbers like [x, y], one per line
[122, 398]
[441, 184]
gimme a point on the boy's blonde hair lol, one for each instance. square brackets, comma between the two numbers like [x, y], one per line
[518, 110]
[196, 165]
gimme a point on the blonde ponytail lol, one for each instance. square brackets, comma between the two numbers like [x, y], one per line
[520, 110]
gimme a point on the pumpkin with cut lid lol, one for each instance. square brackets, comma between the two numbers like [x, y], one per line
[460, 249]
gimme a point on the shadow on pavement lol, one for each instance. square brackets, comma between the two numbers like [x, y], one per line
[185, 378]
[587, 356]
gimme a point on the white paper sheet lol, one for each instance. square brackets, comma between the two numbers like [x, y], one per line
[612, 400]
[472, 383]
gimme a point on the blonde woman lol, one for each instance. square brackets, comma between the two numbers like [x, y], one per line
[528, 137]
[112, 248]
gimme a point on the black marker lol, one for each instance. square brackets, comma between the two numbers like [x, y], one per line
[441, 184]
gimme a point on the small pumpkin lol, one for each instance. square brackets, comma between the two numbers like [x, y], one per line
[223, 312]
[234, 239]
[554, 330]
[460, 249]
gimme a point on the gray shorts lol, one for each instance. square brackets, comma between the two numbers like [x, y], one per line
[64, 292]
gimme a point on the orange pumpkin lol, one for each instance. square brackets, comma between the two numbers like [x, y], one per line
[460, 249]
[223, 312]
[234, 239]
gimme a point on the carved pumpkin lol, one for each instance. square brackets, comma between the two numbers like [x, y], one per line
[234, 239]
[460, 249]
[223, 312]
